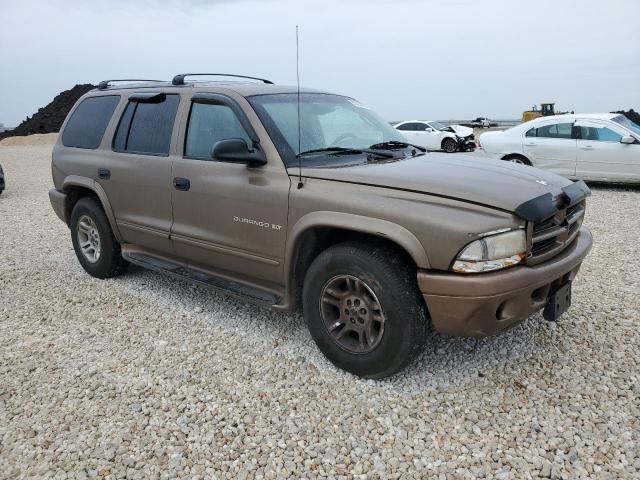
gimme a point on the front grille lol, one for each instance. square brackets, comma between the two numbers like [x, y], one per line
[552, 235]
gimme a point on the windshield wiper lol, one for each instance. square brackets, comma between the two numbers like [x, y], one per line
[393, 144]
[339, 150]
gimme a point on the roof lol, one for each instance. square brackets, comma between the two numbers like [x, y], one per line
[415, 121]
[594, 116]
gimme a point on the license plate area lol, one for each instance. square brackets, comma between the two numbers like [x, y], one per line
[559, 302]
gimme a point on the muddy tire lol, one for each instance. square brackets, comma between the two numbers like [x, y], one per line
[363, 309]
[97, 249]
[449, 145]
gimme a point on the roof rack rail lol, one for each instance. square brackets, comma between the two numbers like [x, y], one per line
[179, 79]
[103, 85]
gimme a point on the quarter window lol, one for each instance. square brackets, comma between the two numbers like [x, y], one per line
[146, 127]
[88, 122]
[556, 130]
[209, 123]
[602, 134]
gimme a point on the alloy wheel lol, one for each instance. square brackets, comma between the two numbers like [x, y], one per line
[352, 314]
[449, 145]
[89, 239]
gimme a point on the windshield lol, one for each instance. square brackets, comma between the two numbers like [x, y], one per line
[437, 125]
[326, 121]
[625, 122]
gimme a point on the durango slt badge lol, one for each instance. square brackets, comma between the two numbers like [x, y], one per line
[257, 223]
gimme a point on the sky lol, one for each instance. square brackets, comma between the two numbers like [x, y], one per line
[407, 59]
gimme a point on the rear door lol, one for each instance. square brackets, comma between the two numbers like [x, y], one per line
[136, 172]
[551, 145]
[228, 217]
[601, 155]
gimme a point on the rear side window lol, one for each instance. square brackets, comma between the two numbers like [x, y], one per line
[88, 122]
[208, 124]
[146, 127]
[556, 130]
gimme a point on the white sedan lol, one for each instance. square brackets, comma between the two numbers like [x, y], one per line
[597, 146]
[436, 136]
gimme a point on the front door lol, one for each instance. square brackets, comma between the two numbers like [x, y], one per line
[552, 146]
[602, 156]
[228, 218]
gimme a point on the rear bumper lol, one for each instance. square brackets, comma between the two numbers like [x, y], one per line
[485, 304]
[58, 201]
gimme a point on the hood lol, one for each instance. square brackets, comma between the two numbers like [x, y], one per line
[460, 130]
[494, 183]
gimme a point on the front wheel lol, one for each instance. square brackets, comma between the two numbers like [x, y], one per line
[449, 145]
[364, 310]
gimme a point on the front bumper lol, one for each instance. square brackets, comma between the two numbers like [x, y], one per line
[478, 305]
[467, 144]
[58, 201]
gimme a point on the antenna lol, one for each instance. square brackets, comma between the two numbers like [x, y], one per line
[300, 184]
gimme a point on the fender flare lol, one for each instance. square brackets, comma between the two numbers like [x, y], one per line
[357, 223]
[89, 183]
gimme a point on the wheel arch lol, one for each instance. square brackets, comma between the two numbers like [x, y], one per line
[76, 187]
[318, 231]
[507, 156]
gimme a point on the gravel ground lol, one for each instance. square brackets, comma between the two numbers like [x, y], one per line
[148, 377]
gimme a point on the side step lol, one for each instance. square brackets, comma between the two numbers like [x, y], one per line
[218, 283]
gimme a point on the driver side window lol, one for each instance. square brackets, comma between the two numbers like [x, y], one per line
[208, 124]
[413, 127]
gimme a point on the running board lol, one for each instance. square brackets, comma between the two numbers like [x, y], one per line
[194, 276]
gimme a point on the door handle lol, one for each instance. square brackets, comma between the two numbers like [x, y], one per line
[531, 144]
[180, 183]
[104, 173]
[587, 147]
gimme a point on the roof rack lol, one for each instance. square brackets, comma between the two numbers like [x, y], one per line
[179, 79]
[103, 85]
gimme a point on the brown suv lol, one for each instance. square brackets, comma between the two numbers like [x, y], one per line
[290, 198]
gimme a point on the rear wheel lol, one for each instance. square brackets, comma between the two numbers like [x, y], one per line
[96, 247]
[449, 145]
[519, 159]
[364, 310]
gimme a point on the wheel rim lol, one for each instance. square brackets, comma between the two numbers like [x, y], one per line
[352, 314]
[519, 161]
[89, 239]
[449, 146]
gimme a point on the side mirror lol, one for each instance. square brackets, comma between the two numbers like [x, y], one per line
[628, 139]
[236, 150]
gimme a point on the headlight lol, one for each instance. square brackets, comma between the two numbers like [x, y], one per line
[492, 252]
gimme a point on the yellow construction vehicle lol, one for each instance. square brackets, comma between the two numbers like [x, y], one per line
[546, 109]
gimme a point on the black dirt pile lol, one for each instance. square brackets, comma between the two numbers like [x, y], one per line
[49, 119]
[631, 115]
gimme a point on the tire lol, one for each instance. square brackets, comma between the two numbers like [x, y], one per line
[385, 279]
[519, 159]
[449, 145]
[90, 227]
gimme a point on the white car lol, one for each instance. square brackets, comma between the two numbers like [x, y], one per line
[436, 136]
[596, 146]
